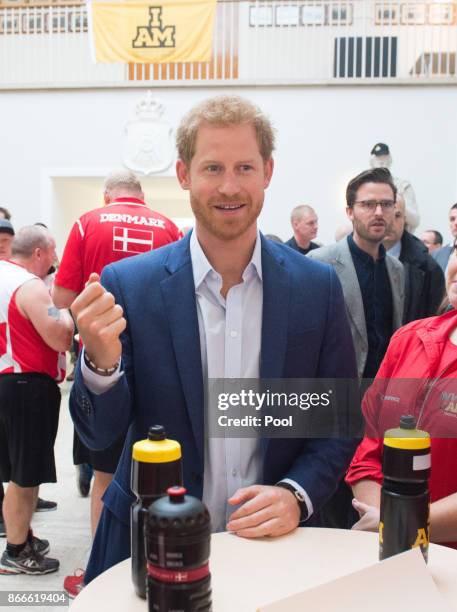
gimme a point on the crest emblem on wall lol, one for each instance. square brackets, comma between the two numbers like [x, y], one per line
[149, 140]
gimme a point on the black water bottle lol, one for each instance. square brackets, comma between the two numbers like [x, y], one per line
[405, 496]
[178, 533]
[156, 466]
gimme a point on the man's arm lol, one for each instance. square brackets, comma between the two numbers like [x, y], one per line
[62, 297]
[368, 492]
[272, 510]
[100, 419]
[443, 513]
[53, 325]
[367, 499]
[69, 280]
[443, 519]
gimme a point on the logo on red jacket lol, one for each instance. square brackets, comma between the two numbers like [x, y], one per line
[129, 240]
[449, 403]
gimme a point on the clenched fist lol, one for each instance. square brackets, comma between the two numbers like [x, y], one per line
[100, 322]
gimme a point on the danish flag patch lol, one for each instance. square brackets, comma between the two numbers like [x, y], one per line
[129, 240]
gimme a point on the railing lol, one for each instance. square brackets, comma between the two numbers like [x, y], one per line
[258, 42]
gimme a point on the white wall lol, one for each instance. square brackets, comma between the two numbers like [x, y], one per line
[324, 138]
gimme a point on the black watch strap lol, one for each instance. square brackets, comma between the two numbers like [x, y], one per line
[298, 496]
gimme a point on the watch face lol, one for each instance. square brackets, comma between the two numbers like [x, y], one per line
[300, 496]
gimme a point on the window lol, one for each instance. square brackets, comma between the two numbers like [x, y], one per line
[32, 24]
[358, 57]
[340, 14]
[260, 16]
[57, 21]
[78, 22]
[9, 23]
[441, 14]
[413, 14]
[287, 15]
[313, 15]
[386, 15]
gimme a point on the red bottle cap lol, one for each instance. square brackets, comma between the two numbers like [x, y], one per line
[176, 493]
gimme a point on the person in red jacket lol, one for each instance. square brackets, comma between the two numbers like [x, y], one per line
[417, 376]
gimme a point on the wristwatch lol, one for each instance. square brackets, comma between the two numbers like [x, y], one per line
[301, 501]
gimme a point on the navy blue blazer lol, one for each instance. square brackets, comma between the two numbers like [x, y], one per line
[305, 334]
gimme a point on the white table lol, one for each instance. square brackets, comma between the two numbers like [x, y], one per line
[247, 573]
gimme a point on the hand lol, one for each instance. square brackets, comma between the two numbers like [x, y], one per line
[266, 511]
[100, 323]
[369, 516]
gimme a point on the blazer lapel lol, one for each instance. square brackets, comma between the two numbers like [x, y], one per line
[398, 291]
[178, 292]
[345, 270]
[275, 280]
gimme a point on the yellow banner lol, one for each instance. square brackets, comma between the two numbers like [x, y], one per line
[152, 32]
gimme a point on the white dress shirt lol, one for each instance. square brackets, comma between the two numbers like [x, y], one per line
[230, 336]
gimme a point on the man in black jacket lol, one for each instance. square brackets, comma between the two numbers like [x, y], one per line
[424, 278]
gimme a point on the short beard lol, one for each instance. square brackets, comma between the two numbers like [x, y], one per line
[228, 231]
[360, 231]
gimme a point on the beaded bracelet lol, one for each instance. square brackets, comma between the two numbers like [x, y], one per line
[102, 371]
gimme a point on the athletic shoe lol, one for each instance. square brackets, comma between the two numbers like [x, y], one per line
[28, 562]
[2, 527]
[40, 546]
[45, 506]
[83, 477]
[73, 585]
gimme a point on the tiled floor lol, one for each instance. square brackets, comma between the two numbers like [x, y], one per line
[67, 528]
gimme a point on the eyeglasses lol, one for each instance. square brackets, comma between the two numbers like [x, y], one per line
[372, 205]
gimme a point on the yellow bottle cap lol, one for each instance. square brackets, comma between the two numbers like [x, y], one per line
[407, 443]
[157, 448]
[407, 437]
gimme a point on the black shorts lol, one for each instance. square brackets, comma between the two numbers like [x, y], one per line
[103, 461]
[29, 417]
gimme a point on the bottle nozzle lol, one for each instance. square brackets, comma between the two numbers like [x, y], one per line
[407, 421]
[176, 494]
[156, 432]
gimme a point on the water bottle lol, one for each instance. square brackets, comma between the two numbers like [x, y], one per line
[178, 533]
[405, 496]
[156, 465]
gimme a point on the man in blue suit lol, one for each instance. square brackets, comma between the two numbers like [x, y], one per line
[221, 303]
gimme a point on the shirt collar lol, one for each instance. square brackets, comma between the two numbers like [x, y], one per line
[201, 266]
[15, 263]
[362, 255]
[127, 200]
